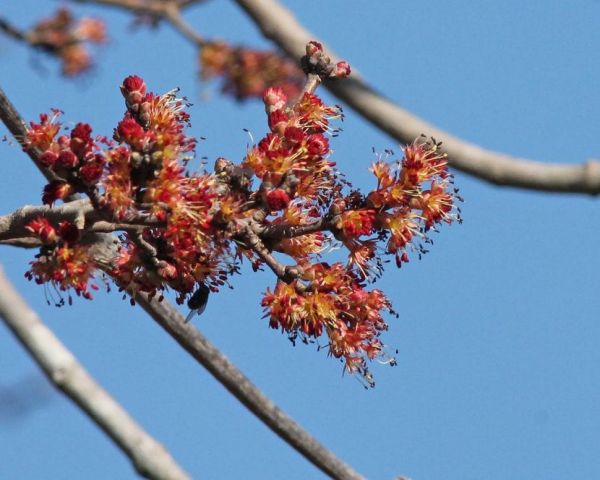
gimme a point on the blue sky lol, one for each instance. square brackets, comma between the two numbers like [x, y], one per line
[498, 330]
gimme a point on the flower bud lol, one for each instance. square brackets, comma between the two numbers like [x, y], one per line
[342, 69]
[278, 199]
[81, 139]
[312, 48]
[275, 99]
[68, 231]
[67, 159]
[133, 89]
[43, 230]
[55, 190]
[48, 158]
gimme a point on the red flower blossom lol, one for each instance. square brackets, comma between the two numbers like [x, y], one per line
[277, 199]
[356, 223]
[67, 39]
[134, 90]
[41, 135]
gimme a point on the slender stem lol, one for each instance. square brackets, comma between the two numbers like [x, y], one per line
[173, 15]
[12, 31]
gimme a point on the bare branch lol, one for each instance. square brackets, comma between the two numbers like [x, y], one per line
[244, 390]
[155, 7]
[279, 25]
[173, 15]
[12, 31]
[149, 458]
[279, 231]
[22, 242]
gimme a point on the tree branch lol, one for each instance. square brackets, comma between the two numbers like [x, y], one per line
[149, 458]
[279, 25]
[13, 225]
[80, 212]
[244, 390]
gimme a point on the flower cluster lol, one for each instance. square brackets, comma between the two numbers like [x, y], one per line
[61, 35]
[62, 261]
[413, 195]
[331, 298]
[189, 232]
[292, 160]
[248, 73]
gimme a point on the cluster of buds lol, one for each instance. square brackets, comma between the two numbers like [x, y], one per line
[248, 73]
[64, 37]
[317, 62]
[189, 232]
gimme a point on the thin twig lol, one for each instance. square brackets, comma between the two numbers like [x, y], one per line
[149, 458]
[169, 10]
[173, 14]
[12, 31]
[79, 212]
[278, 24]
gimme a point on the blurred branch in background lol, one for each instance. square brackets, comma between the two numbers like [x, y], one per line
[280, 26]
[149, 458]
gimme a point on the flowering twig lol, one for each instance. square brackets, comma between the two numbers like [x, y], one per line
[205, 353]
[149, 458]
[278, 24]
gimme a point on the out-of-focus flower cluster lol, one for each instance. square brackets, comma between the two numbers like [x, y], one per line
[67, 38]
[185, 231]
[247, 73]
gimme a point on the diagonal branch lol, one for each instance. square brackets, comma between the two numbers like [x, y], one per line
[244, 390]
[149, 458]
[279, 25]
